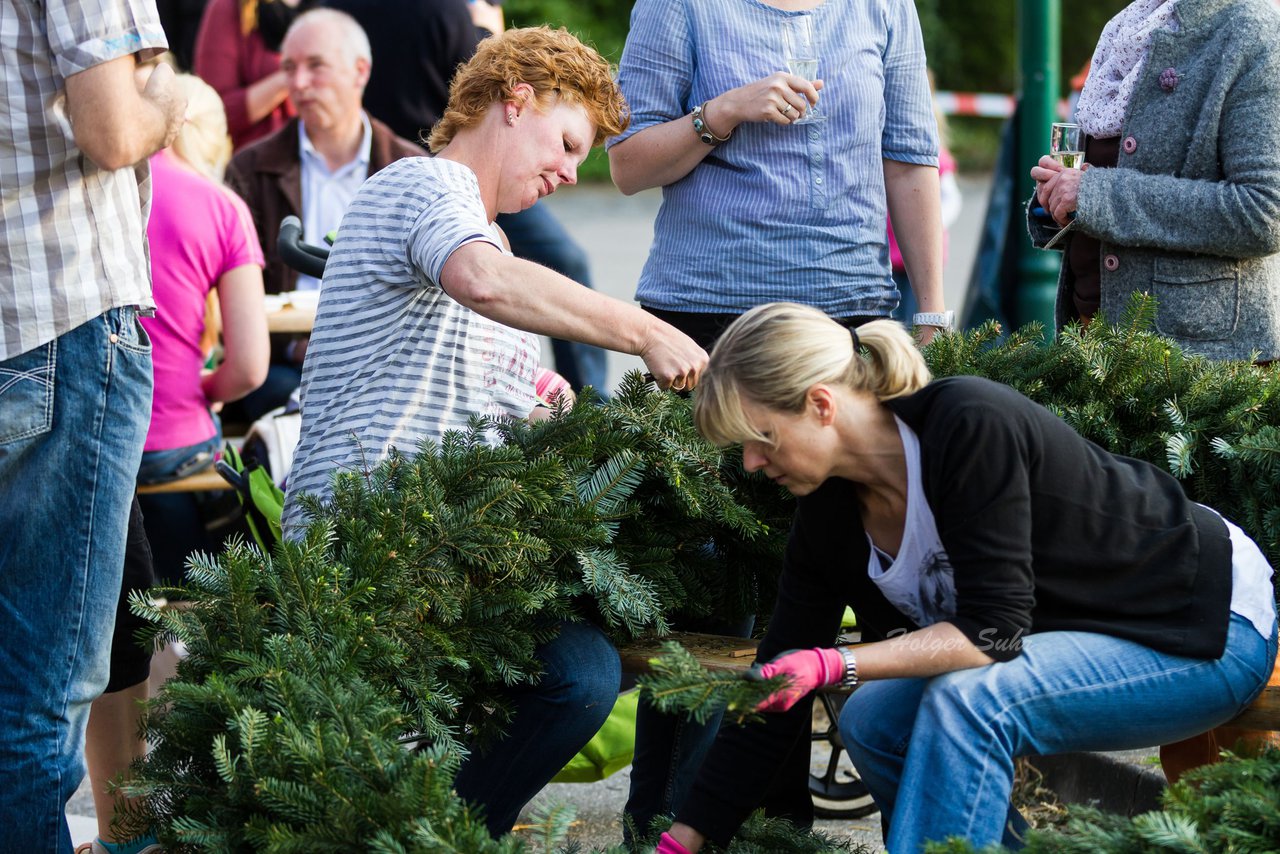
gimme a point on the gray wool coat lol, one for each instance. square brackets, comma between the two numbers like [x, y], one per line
[1191, 213]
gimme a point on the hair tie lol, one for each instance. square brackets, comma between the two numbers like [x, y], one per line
[857, 344]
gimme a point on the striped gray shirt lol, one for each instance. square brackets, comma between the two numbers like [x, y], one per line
[393, 360]
[72, 236]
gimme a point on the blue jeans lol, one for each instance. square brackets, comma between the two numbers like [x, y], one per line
[73, 417]
[553, 720]
[937, 754]
[177, 463]
[537, 236]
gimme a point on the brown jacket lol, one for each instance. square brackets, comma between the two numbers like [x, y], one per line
[268, 176]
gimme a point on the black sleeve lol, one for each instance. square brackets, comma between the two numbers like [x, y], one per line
[1041, 227]
[977, 457]
[738, 771]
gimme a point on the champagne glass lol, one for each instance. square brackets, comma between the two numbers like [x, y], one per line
[801, 54]
[1066, 144]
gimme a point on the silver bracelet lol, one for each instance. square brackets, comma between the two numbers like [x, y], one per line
[850, 679]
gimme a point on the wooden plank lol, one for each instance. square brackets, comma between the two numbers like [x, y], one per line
[202, 481]
[714, 652]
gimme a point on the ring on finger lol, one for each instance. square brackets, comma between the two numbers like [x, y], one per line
[786, 110]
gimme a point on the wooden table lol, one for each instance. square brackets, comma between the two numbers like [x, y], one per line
[291, 318]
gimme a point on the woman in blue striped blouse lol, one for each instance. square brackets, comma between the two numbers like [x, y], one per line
[757, 207]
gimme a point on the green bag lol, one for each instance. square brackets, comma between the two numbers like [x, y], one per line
[609, 750]
[261, 501]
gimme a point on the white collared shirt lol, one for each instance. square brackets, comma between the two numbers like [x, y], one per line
[326, 194]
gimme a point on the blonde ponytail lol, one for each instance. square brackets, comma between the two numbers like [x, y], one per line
[203, 141]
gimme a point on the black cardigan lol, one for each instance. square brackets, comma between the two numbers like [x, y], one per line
[1045, 530]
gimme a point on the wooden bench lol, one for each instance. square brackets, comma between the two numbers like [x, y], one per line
[718, 652]
[207, 480]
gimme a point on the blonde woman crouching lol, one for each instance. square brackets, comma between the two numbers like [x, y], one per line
[1024, 590]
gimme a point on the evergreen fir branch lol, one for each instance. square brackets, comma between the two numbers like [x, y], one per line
[1178, 450]
[677, 683]
[611, 485]
[223, 761]
[1175, 834]
[1176, 418]
[550, 825]
[624, 600]
[762, 835]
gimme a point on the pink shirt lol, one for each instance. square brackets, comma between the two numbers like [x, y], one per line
[198, 231]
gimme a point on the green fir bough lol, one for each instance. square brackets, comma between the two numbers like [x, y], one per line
[333, 686]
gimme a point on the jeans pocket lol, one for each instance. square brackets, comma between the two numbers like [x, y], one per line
[26, 393]
[129, 332]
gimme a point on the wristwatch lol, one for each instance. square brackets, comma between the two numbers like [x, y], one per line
[704, 132]
[850, 678]
[941, 319]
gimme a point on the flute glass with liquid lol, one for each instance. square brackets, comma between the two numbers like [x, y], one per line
[801, 54]
[1066, 144]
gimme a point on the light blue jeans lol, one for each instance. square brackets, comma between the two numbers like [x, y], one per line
[73, 417]
[937, 754]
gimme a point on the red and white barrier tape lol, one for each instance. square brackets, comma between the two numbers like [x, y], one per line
[986, 104]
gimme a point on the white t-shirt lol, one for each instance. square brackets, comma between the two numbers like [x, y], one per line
[1252, 596]
[919, 581]
[393, 360]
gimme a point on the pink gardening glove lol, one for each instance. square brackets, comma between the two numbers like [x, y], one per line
[668, 845]
[808, 668]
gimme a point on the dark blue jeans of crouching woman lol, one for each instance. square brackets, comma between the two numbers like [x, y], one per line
[670, 749]
[553, 720]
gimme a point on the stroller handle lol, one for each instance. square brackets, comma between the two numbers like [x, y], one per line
[303, 257]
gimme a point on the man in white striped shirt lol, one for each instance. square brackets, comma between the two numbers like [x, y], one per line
[75, 371]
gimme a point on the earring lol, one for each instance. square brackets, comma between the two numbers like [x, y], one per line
[511, 119]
